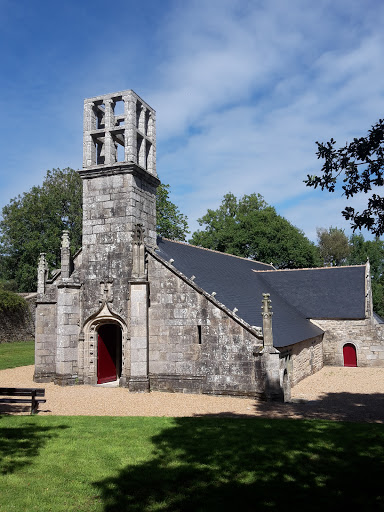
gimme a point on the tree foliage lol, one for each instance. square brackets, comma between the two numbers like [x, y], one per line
[333, 245]
[170, 222]
[361, 165]
[360, 251]
[10, 301]
[249, 227]
[33, 223]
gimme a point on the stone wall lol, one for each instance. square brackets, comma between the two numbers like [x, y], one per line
[305, 358]
[19, 325]
[366, 335]
[45, 345]
[194, 345]
[114, 201]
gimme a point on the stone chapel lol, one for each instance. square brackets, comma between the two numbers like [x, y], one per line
[154, 314]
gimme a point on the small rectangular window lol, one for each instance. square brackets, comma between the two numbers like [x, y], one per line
[199, 333]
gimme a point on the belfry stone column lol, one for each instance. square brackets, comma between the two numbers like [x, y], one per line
[109, 146]
[89, 148]
[130, 138]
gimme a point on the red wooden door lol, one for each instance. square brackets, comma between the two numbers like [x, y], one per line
[106, 354]
[349, 353]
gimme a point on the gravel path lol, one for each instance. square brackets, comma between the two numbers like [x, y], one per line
[351, 394]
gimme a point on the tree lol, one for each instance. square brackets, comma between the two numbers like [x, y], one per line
[33, 222]
[221, 226]
[362, 165]
[249, 227]
[170, 222]
[333, 246]
[360, 251]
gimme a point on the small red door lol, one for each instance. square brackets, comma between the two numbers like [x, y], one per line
[349, 353]
[106, 354]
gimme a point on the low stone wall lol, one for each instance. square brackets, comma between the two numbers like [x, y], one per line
[19, 325]
[306, 359]
[366, 335]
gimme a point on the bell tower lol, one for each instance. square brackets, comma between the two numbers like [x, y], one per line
[119, 191]
[91, 320]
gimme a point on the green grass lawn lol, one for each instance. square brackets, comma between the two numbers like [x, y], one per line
[20, 353]
[188, 464]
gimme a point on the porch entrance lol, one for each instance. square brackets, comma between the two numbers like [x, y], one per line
[108, 353]
[349, 354]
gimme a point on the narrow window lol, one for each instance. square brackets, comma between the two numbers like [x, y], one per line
[199, 333]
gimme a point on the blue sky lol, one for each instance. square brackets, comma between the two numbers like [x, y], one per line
[242, 90]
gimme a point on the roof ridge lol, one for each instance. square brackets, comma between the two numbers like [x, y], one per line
[217, 252]
[309, 268]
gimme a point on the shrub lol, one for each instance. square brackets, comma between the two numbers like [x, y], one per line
[10, 301]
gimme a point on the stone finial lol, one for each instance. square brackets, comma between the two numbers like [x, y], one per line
[42, 272]
[267, 320]
[138, 234]
[65, 239]
[65, 255]
[266, 304]
[138, 252]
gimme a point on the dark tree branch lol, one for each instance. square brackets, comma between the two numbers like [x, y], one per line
[362, 164]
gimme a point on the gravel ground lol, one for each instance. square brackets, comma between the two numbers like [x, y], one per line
[350, 394]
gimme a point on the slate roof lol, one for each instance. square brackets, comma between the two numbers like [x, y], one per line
[331, 292]
[296, 294]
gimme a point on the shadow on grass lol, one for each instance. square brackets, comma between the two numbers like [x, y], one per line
[237, 463]
[19, 445]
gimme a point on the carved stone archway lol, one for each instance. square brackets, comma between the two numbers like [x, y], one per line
[88, 345]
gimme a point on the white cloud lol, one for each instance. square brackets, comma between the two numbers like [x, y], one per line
[242, 91]
[255, 129]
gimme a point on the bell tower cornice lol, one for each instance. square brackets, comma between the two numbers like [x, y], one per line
[119, 168]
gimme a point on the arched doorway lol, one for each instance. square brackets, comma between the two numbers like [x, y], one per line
[349, 354]
[108, 353]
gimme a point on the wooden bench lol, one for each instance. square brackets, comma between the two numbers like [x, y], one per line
[31, 393]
